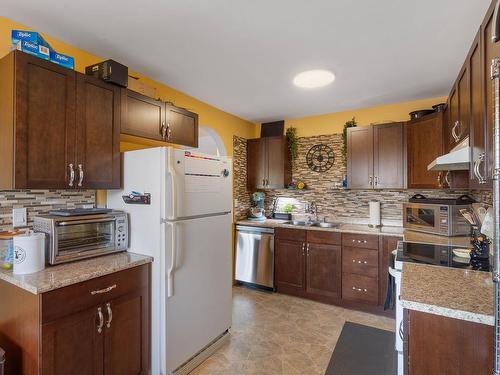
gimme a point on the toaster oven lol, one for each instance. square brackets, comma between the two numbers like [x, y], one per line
[79, 237]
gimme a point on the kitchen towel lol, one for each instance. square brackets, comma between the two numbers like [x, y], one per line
[29, 253]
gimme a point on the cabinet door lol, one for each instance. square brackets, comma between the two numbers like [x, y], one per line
[72, 345]
[44, 123]
[256, 163]
[324, 270]
[477, 126]
[126, 342]
[423, 145]
[490, 51]
[388, 156]
[360, 158]
[279, 172]
[289, 266]
[98, 134]
[182, 126]
[452, 120]
[142, 116]
[387, 245]
[464, 104]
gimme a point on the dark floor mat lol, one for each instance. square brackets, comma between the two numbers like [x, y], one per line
[363, 350]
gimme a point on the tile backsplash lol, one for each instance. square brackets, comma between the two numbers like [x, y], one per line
[40, 202]
[324, 188]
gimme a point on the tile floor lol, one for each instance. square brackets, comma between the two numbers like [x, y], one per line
[275, 334]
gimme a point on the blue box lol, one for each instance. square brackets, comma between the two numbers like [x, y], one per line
[61, 59]
[31, 42]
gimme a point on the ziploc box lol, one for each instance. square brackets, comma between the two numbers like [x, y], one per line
[31, 42]
[61, 59]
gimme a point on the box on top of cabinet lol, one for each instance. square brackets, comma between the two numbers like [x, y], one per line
[31, 42]
[61, 59]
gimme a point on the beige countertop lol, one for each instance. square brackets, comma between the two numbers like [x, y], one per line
[54, 277]
[451, 292]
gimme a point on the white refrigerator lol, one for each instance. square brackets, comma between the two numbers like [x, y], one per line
[187, 229]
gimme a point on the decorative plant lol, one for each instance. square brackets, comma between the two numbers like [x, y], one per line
[288, 208]
[349, 124]
[291, 136]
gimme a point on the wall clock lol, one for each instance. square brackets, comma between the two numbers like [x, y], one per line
[320, 158]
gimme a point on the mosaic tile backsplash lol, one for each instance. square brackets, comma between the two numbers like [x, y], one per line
[325, 188]
[40, 202]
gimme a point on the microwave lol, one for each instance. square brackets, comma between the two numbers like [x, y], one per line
[440, 219]
[85, 236]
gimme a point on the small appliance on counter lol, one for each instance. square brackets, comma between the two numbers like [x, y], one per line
[88, 234]
[257, 212]
[439, 216]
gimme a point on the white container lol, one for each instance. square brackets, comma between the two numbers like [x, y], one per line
[374, 214]
[29, 253]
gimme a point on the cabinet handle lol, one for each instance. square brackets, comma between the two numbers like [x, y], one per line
[80, 172]
[303, 248]
[447, 178]
[454, 134]
[481, 179]
[71, 175]
[102, 291]
[439, 179]
[110, 315]
[101, 320]
[370, 181]
[307, 249]
[376, 180]
[360, 261]
[163, 131]
[360, 289]
[169, 131]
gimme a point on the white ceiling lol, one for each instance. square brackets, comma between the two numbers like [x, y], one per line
[241, 55]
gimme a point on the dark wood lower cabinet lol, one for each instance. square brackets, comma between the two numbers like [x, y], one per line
[289, 265]
[446, 346]
[322, 265]
[71, 331]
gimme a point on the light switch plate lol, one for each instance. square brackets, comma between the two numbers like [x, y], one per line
[19, 217]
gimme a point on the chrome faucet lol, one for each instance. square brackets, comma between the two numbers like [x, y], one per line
[312, 208]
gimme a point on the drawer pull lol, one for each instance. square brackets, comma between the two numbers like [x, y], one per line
[359, 241]
[102, 291]
[101, 320]
[360, 261]
[360, 289]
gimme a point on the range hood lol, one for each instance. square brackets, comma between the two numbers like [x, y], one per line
[457, 159]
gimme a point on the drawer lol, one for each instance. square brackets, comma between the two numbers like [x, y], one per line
[324, 237]
[78, 297]
[360, 261]
[290, 234]
[360, 288]
[365, 241]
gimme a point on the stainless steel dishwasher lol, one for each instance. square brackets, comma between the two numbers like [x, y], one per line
[255, 256]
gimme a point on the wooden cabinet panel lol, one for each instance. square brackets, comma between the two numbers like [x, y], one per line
[72, 345]
[324, 237]
[464, 104]
[360, 158]
[142, 116]
[289, 265]
[365, 241]
[452, 120]
[278, 170]
[256, 163]
[44, 123]
[182, 126]
[126, 343]
[324, 270]
[386, 245]
[299, 235]
[424, 142]
[360, 261]
[388, 156]
[98, 134]
[360, 288]
[455, 346]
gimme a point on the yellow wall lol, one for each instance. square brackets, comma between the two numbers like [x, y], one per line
[334, 122]
[225, 124]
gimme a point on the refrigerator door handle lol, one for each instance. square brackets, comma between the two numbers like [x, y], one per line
[171, 173]
[173, 260]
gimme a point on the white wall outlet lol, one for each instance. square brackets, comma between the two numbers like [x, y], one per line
[236, 203]
[19, 217]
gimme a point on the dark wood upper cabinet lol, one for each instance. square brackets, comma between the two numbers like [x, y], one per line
[360, 157]
[424, 143]
[324, 270]
[98, 134]
[153, 119]
[375, 157]
[59, 129]
[268, 163]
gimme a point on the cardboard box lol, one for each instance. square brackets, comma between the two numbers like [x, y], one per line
[61, 59]
[30, 36]
[31, 42]
[135, 84]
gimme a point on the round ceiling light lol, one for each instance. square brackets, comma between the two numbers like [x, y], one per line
[311, 79]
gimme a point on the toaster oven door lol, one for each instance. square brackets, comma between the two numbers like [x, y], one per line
[79, 239]
[422, 217]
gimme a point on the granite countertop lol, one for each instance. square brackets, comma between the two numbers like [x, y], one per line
[451, 292]
[54, 277]
[343, 227]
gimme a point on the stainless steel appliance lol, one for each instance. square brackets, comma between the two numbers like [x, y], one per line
[83, 236]
[436, 216]
[255, 256]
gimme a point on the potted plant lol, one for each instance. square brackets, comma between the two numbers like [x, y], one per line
[349, 124]
[291, 136]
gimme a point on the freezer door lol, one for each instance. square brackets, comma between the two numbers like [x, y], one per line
[197, 184]
[198, 296]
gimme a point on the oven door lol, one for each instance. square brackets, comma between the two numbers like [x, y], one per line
[422, 217]
[79, 239]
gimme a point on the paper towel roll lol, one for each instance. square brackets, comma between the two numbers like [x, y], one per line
[29, 253]
[374, 214]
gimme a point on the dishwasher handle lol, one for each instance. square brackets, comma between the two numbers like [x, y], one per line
[257, 230]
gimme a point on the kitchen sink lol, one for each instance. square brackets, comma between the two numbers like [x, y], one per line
[297, 222]
[325, 225]
[320, 224]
